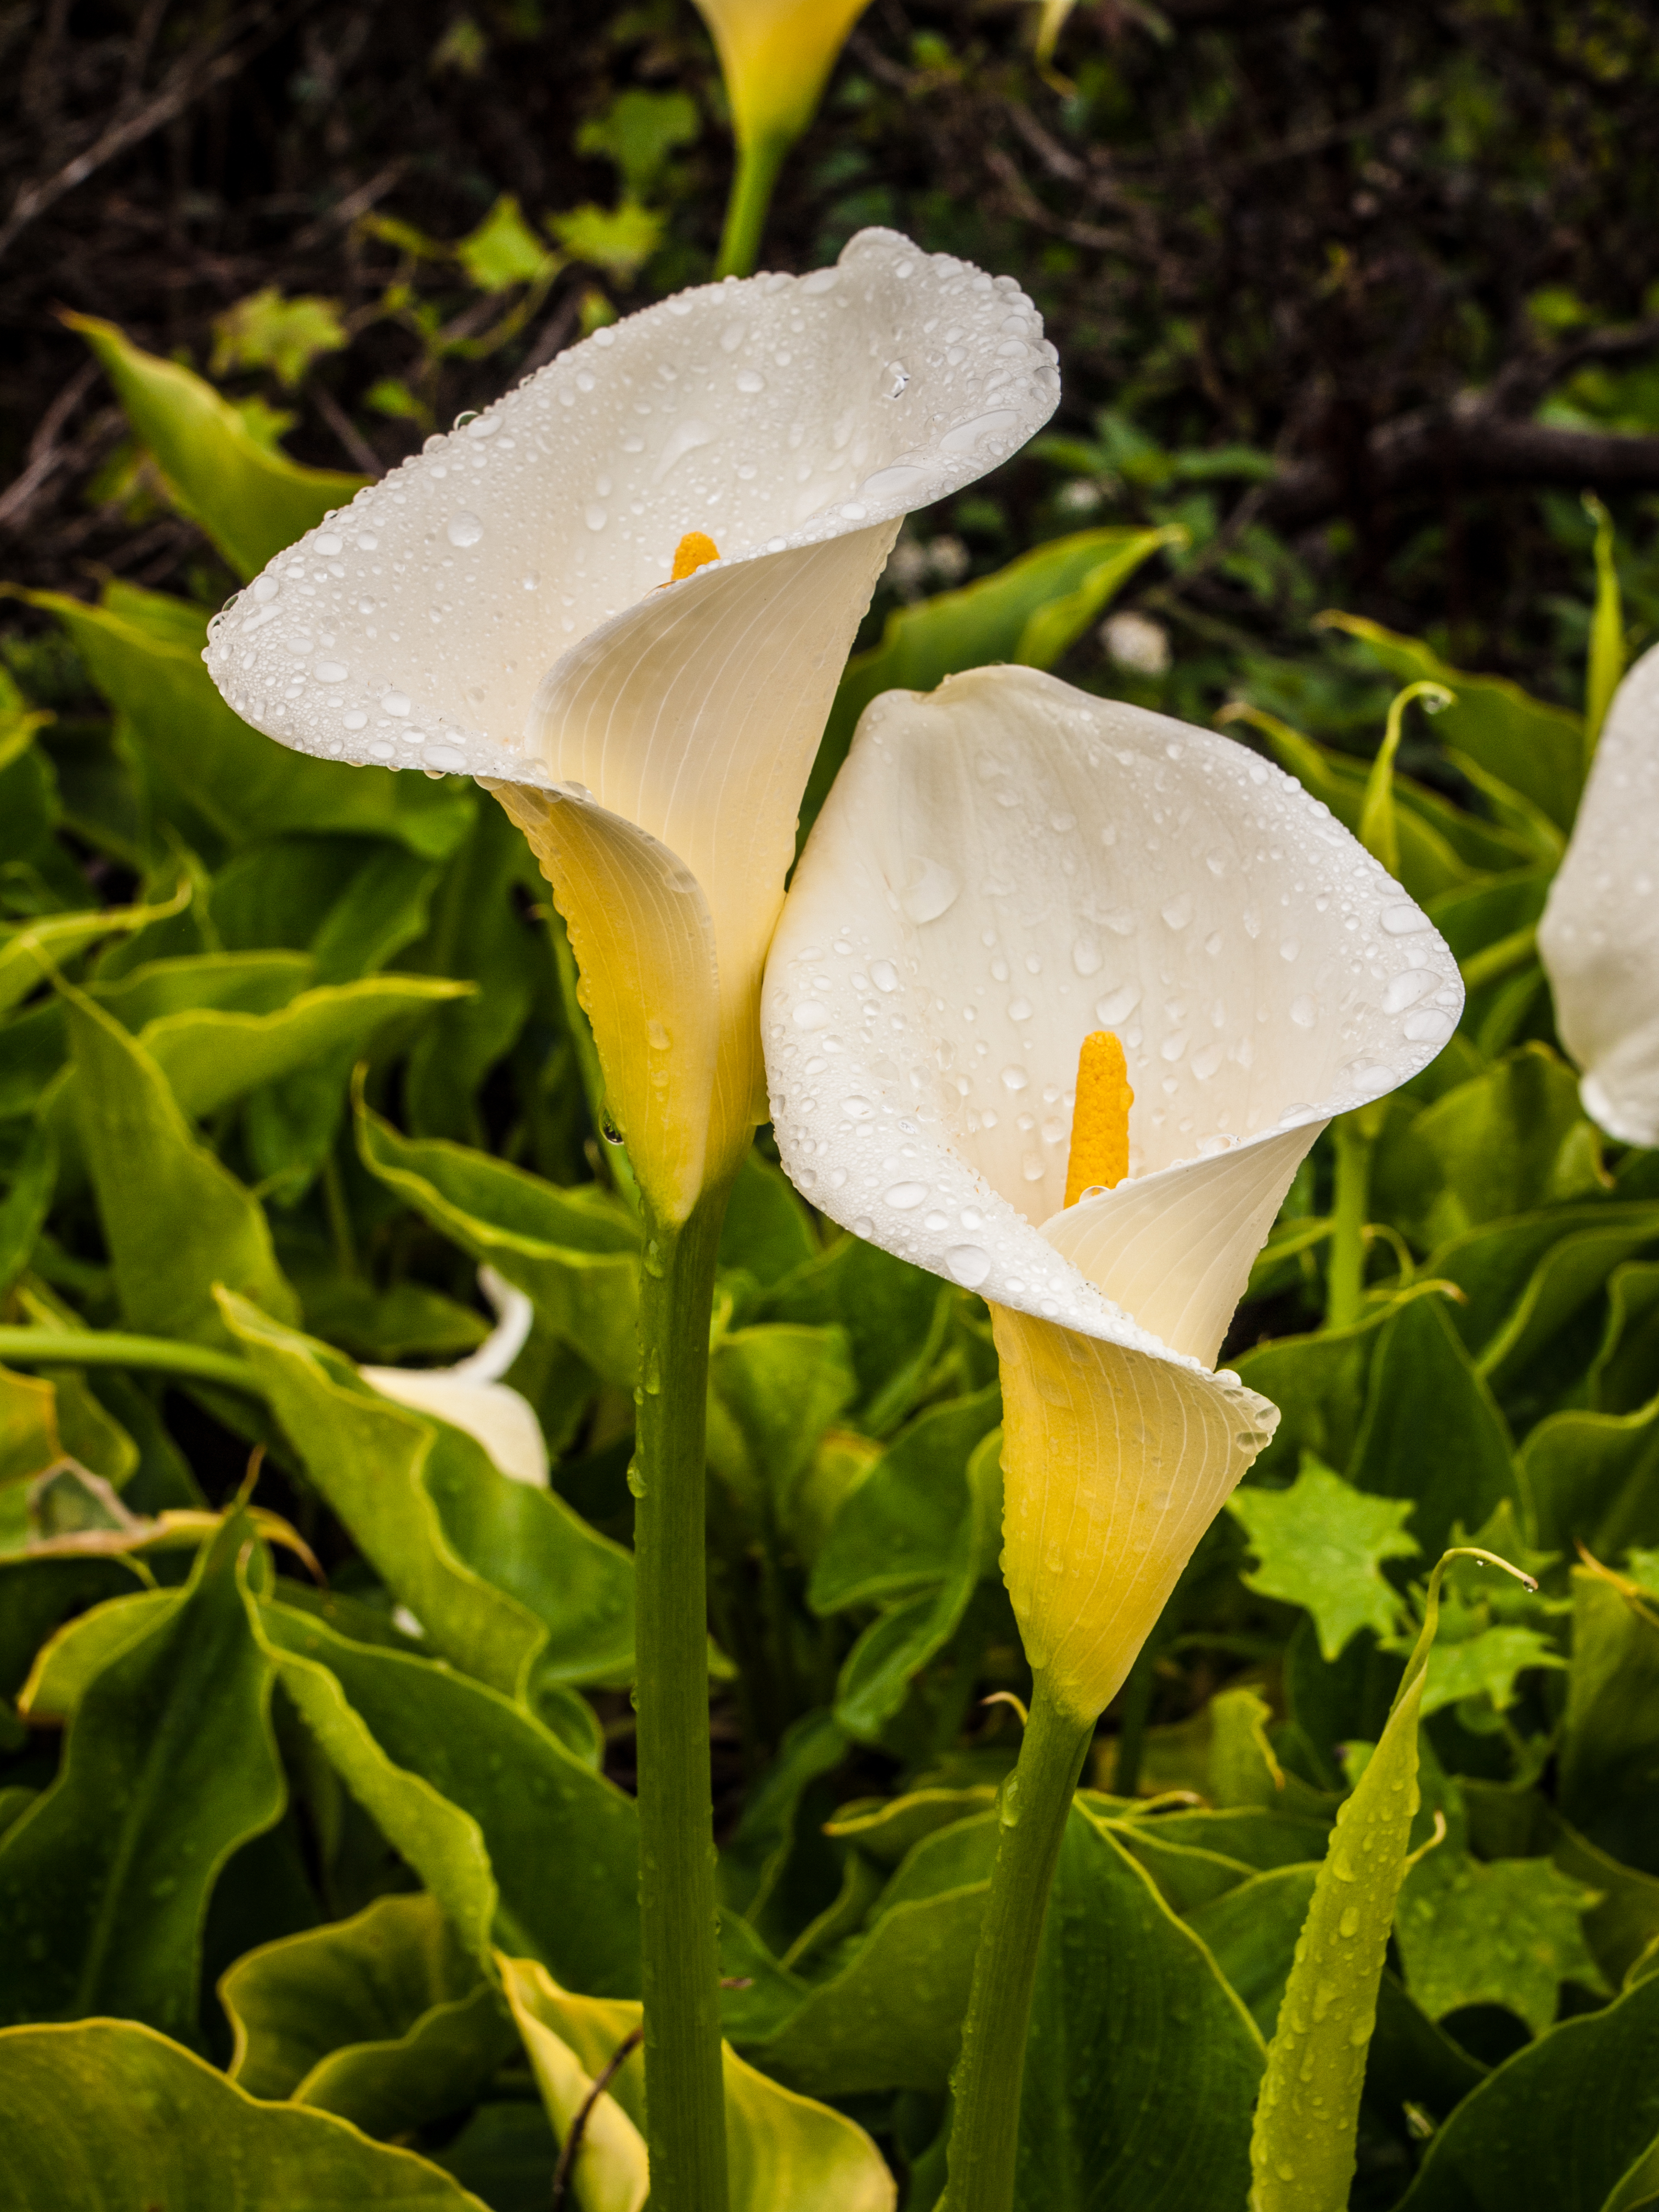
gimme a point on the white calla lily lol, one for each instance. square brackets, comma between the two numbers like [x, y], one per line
[471, 1395]
[1002, 868]
[492, 608]
[1599, 938]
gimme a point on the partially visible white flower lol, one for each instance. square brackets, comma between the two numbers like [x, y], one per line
[1136, 642]
[471, 1395]
[1599, 939]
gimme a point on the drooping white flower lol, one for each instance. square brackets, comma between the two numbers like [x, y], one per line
[1599, 939]
[471, 1395]
[492, 608]
[1002, 868]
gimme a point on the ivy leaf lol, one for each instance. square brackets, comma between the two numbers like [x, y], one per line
[1488, 1663]
[266, 330]
[1320, 1544]
[620, 239]
[1508, 1933]
[503, 250]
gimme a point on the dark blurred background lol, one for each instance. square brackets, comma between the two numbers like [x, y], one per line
[1365, 297]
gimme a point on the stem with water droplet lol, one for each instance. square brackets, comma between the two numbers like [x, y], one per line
[678, 1930]
[1035, 1806]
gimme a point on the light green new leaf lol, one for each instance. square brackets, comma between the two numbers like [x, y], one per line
[1498, 1145]
[1030, 611]
[1485, 1665]
[383, 2019]
[574, 1253]
[781, 2149]
[1508, 1933]
[1142, 2064]
[503, 250]
[170, 1765]
[109, 2116]
[502, 1577]
[1320, 1544]
[1560, 2125]
[250, 501]
[505, 1826]
[266, 330]
[1536, 749]
[26, 1205]
[1607, 640]
[176, 1220]
[1302, 2146]
[28, 953]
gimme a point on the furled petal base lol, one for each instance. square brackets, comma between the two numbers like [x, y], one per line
[1114, 1464]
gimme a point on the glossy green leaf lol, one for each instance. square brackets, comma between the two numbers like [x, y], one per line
[26, 1205]
[1142, 2064]
[1609, 1760]
[1558, 2125]
[895, 1317]
[479, 936]
[1591, 1477]
[1302, 2146]
[170, 1764]
[1493, 1265]
[894, 1650]
[890, 2016]
[767, 1231]
[1432, 1438]
[574, 1253]
[37, 1596]
[1250, 1931]
[502, 1577]
[383, 2019]
[899, 1532]
[1321, 1544]
[1498, 1145]
[781, 2149]
[773, 1392]
[108, 2117]
[1506, 1934]
[1030, 611]
[352, 903]
[753, 1861]
[1569, 1280]
[250, 501]
[1537, 749]
[1319, 1383]
[221, 774]
[508, 1829]
[175, 1220]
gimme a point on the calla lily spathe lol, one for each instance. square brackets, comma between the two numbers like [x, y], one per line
[471, 1395]
[1599, 938]
[775, 56]
[492, 608]
[1002, 867]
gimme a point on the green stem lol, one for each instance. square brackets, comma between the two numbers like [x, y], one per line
[746, 212]
[78, 1347]
[1036, 1801]
[1345, 1282]
[685, 2102]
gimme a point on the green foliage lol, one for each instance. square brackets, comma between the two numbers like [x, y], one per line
[289, 1051]
[266, 330]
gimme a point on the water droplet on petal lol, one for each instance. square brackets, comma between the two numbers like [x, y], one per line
[331, 672]
[969, 1264]
[933, 890]
[1403, 921]
[904, 1195]
[884, 975]
[1304, 1012]
[809, 1014]
[465, 528]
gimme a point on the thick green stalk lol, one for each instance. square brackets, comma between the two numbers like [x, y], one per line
[686, 2103]
[758, 164]
[1345, 1282]
[1036, 1801]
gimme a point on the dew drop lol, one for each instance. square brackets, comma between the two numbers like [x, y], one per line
[857, 1110]
[969, 1264]
[394, 702]
[863, 1226]
[904, 1195]
[595, 516]
[1117, 1005]
[1085, 956]
[1179, 911]
[1015, 1079]
[809, 1014]
[1403, 921]
[1304, 1012]
[751, 380]
[265, 588]
[884, 975]
[464, 529]
[933, 890]
[331, 672]
[1405, 989]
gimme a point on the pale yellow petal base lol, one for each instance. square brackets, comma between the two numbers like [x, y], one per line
[1114, 1464]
